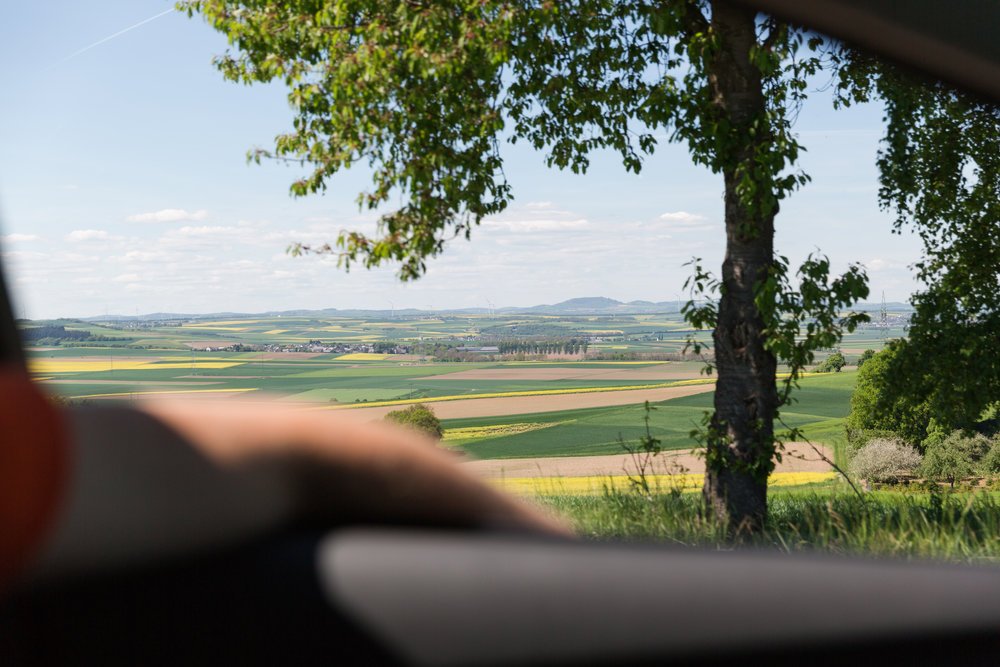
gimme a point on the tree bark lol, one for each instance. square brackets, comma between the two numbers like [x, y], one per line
[741, 439]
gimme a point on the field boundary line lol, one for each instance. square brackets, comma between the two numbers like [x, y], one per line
[510, 394]
[172, 391]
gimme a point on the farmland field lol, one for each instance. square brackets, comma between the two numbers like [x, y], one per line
[525, 406]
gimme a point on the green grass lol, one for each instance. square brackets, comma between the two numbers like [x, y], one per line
[952, 527]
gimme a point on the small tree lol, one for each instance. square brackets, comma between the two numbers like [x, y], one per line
[884, 460]
[954, 456]
[418, 417]
[831, 364]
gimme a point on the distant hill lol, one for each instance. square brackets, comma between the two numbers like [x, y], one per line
[597, 305]
[591, 305]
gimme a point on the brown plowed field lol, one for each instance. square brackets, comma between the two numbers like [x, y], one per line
[798, 457]
[516, 405]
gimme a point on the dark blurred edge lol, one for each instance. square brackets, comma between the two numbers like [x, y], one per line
[953, 40]
[246, 606]
[10, 340]
[264, 606]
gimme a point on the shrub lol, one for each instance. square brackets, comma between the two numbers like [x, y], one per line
[955, 456]
[418, 417]
[831, 364]
[884, 460]
[989, 465]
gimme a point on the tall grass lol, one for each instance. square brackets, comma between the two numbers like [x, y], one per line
[952, 527]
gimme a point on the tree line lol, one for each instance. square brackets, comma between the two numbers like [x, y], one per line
[568, 346]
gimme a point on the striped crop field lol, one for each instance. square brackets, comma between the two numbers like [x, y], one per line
[118, 394]
[532, 392]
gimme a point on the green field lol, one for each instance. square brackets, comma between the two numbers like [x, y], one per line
[178, 363]
[821, 405]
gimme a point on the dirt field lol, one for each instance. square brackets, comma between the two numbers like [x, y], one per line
[515, 405]
[648, 374]
[798, 457]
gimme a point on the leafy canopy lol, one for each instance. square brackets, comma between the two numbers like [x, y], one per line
[940, 176]
[425, 93]
[877, 410]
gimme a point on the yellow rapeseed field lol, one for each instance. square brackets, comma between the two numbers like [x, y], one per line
[554, 486]
[493, 430]
[362, 356]
[97, 365]
[46, 366]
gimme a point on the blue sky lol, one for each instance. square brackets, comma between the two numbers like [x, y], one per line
[124, 188]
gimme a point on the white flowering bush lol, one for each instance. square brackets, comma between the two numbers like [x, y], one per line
[884, 460]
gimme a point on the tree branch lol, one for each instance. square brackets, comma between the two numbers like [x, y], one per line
[694, 21]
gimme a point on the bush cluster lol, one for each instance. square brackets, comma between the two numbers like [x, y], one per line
[418, 417]
[884, 460]
[959, 455]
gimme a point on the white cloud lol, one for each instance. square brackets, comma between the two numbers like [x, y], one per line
[19, 238]
[683, 218]
[682, 221]
[168, 215]
[81, 235]
[210, 230]
[537, 225]
[879, 264]
[126, 278]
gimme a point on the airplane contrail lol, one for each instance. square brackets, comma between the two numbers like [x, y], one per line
[110, 37]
